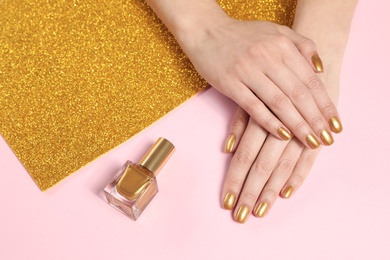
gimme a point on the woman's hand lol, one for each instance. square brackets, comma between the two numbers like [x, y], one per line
[268, 70]
[265, 66]
[264, 167]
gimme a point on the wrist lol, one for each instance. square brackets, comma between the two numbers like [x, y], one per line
[189, 30]
[187, 20]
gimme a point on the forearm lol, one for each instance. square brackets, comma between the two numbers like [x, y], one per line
[327, 23]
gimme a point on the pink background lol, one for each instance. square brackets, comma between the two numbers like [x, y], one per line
[341, 212]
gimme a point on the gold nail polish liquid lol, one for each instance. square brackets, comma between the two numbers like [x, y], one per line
[135, 185]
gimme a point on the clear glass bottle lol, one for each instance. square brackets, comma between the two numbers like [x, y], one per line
[135, 185]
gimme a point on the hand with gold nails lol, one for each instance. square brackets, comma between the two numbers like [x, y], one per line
[267, 69]
[270, 71]
[264, 167]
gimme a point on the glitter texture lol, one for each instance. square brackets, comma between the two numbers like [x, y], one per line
[78, 78]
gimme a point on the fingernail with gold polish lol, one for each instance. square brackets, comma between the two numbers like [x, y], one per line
[284, 133]
[312, 141]
[230, 142]
[335, 125]
[317, 62]
[261, 209]
[242, 214]
[326, 137]
[229, 201]
[288, 192]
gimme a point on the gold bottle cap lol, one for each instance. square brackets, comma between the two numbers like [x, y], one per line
[158, 155]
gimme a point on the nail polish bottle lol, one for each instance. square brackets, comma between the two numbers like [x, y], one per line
[134, 186]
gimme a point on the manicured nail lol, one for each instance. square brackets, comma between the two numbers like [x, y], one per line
[326, 137]
[229, 201]
[317, 62]
[335, 125]
[288, 192]
[230, 142]
[284, 133]
[242, 214]
[312, 141]
[261, 209]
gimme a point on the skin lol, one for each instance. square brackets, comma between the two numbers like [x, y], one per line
[263, 167]
[264, 67]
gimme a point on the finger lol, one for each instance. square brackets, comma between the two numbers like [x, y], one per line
[302, 61]
[303, 100]
[247, 150]
[306, 47]
[237, 128]
[317, 89]
[258, 176]
[279, 176]
[257, 110]
[278, 102]
[300, 172]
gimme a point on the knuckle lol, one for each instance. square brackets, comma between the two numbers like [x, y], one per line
[271, 194]
[299, 179]
[299, 93]
[250, 197]
[317, 120]
[242, 157]
[286, 166]
[240, 65]
[239, 123]
[284, 29]
[327, 109]
[262, 168]
[256, 50]
[283, 41]
[300, 125]
[308, 160]
[268, 121]
[314, 83]
[253, 107]
[279, 102]
[234, 182]
[308, 44]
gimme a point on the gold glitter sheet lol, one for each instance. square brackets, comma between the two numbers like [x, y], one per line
[78, 78]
